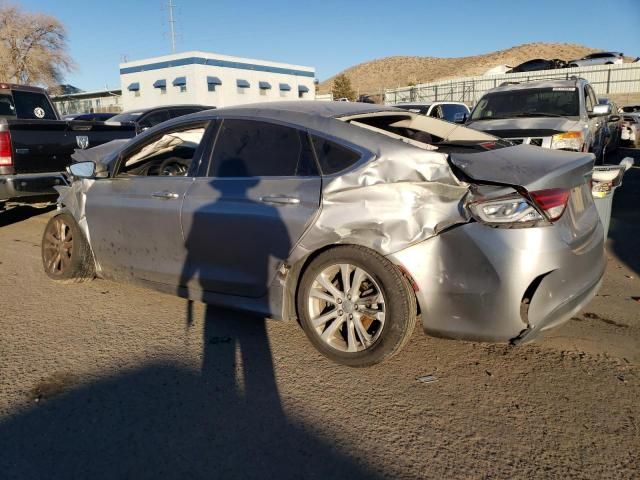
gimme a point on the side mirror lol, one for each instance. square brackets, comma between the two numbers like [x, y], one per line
[627, 163]
[601, 110]
[82, 169]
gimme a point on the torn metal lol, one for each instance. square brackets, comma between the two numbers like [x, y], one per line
[390, 203]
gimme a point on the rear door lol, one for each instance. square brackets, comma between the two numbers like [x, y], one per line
[134, 217]
[241, 221]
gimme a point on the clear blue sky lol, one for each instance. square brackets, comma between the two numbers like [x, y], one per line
[329, 35]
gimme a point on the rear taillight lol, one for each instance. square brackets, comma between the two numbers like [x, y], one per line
[5, 150]
[552, 201]
[519, 211]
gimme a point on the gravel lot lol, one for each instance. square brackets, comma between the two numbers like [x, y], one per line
[106, 380]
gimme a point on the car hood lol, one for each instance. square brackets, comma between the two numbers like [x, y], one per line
[526, 166]
[102, 155]
[525, 127]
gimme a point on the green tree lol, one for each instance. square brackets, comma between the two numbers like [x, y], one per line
[342, 88]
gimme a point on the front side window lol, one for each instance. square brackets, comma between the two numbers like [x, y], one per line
[436, 112]
[33, 106]
[169, 153]
[553, 102]
[588, 101]
[246, 148]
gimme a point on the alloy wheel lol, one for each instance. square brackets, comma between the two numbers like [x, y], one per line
[58, 247]
[346, 307]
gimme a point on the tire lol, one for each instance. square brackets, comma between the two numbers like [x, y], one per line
[361, 333]
[66, 255]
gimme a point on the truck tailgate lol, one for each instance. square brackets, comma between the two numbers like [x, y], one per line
[47, 145]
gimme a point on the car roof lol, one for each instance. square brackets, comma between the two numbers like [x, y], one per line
[164, 107]
[308, 107]
[574, 82]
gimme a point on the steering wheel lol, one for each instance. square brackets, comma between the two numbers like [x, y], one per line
[174, 167]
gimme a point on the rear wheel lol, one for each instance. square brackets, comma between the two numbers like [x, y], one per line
[355, 306]
[66, 255]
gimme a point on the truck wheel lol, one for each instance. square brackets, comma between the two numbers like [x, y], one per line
[355, 306]
[66, 255]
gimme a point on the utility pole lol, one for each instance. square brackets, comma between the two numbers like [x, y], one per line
[172, 26]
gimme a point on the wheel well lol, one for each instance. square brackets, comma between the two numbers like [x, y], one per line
[298, 269]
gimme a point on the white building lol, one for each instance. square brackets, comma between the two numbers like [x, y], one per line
[211, 79]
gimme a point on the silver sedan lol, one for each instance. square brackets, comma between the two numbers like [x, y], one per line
[352, 219]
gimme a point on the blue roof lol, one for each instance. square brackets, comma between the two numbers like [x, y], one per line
[160, 83]
[285, 87]
[242, 83]
[180, 81]
[213, 81]
[134, 87]
[264, 85]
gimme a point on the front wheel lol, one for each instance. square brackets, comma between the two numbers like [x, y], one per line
[355, 306]
[66, 255]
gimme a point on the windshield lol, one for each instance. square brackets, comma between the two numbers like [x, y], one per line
[552, 102]
[631, 108]
[126, 117]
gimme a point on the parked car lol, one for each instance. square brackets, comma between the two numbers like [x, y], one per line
[36, 145]
[630, 134]
[600, 58]
[343, 216]
[613, 125]
[92, 117]
[538, 64]
[557, 114]
[449, 111]
[145, 118]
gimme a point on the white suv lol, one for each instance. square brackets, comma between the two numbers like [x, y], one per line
[600, 58]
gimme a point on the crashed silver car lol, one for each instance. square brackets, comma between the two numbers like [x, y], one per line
[351, 218]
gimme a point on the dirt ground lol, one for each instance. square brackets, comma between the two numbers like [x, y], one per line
[105, 380]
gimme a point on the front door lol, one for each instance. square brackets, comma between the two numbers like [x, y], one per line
[134, 217]
[241, 222]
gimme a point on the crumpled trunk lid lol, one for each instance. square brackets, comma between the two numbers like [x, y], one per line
[525, 166]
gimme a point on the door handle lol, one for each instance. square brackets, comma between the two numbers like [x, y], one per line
[165, 195]
[280, 200]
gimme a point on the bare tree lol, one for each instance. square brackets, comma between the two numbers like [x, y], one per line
[33, 48]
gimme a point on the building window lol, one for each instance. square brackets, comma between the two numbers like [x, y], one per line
[211, 87]
[283, 93]
[183, 88]
[136, 93]
[263, 92]
[163, 90]
[240, 91]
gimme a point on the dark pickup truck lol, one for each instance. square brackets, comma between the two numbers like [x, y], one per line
[36, 145]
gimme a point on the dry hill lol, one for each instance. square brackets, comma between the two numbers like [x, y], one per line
[391, 72]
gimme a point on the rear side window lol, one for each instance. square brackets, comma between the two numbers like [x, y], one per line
[246, 148]
[33, 106]
[6, 106]
[332, 157]
[154, 119]
[451, 110]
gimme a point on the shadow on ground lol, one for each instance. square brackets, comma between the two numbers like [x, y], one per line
[167, 421]
[624, 230]
[20, 214]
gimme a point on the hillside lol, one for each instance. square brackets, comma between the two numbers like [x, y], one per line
[391, 72]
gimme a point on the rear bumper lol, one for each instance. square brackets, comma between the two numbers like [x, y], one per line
[21, 188]
[487, 284]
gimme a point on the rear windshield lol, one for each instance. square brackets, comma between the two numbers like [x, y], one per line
[126, 117]
[541, 102]
[33, 106]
